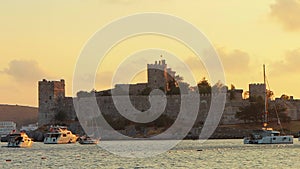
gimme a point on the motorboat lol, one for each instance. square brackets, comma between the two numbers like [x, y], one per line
[20, 140]
[6, 128]
[88, 140]
[60, 135]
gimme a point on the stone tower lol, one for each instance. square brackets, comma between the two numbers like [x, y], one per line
[257, 90]
[49, 93]
[157, 75]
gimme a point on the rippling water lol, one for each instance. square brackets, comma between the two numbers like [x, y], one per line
[187, 154]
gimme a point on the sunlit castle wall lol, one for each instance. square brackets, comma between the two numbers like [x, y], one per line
[233, 104]
[292, 107]
[50, 91]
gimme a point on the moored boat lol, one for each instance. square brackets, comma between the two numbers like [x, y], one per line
[6, 128]
[20, 140]
[267, 135]
[88, 140]
[60, 135]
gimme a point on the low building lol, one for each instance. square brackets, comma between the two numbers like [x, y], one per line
[7, 127]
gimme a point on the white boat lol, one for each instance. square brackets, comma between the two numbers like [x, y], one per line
[20, 140]
[60, 135]
[88, 140]
[6, 128]
[267, 135]
[30, 127]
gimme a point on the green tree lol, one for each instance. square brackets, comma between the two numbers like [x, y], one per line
[253, 112]
[59, 110]
[285, 97]
[219, 87]
[146, 91]
[203, 86]
[232, 92]
[60, 116]
[174, 91]
[277, 111]
[172, 87]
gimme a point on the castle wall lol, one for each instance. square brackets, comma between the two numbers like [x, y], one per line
[51, 91]
[292, 107]
[69, 108]
[134, 89]
[173, 107]
[297, 105]
[47, 106]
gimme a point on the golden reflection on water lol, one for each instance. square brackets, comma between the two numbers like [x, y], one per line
[187, 154]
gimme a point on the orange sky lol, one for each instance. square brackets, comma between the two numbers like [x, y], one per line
[43, 39]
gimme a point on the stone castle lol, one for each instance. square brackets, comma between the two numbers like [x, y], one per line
[52, 99]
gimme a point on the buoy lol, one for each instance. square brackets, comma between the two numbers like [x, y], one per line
[199, 150]
[8, 160]
[43, 158]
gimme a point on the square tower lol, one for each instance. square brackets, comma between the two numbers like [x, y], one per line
[257, 90]
[49, 93]
[157, 75]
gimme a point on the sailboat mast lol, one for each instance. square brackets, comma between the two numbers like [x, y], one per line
[266, 99]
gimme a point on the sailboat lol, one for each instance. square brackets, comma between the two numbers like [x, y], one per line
[267, 135]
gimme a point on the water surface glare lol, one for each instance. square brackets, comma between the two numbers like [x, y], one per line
[187, 154]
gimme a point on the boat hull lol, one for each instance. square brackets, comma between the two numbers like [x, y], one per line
[89, 142]
[20, 145]
[270, 140]
[50, 140]
[19, 141]
[4, 138]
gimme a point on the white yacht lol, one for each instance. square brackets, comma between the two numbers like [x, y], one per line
[60, 135]
[19, 140]
[267, 135]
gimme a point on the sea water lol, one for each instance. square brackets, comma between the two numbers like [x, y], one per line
[187, 154]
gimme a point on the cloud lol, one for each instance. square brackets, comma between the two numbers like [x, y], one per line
[234, 61]
[287, 12]
[289, 64]
[24, 70]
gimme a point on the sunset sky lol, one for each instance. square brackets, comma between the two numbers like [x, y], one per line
[43, 39]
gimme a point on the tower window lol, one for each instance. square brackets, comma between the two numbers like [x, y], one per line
[50, 97]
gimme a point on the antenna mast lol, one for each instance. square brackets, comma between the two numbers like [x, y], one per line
[266, 100]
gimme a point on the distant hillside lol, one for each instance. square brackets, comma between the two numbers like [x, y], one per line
[22, 115]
